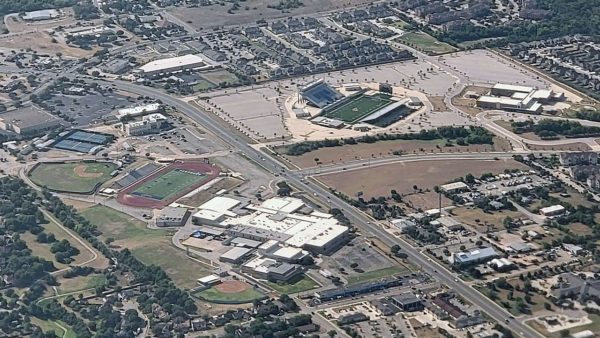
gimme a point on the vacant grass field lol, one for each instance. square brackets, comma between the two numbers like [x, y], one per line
[482, 221]
[426, 43]
[300, 284]
[150, 246]
[376, 274]
[204, 85]
[43, 249]
[245, 296]
[378, 181]
[218, 76]
[358, 108]
[358, 151]
[48, 325]
[80, 283]
[168, 184]
[77, 177]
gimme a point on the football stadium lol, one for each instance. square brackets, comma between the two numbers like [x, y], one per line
[167, 184]
[336, 110]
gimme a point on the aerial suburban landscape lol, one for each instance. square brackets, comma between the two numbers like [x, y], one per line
[300, 168]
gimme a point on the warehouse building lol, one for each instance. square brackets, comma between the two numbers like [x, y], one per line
[478, 255]
[172, 216]
[28, 121]
[171, 65]
[553, 210]
[44, 14]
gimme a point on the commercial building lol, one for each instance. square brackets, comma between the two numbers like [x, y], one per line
[150, 124]
[279, 219]
[216, 210]
[407, 302]
[450, 223]
[553, 210]
[270, 269]
[518, 98]
[45, 14]
[454, 187]
[28, 121]
[236, 255]
[172, 216]
[171, 65]
[474, 256]
[446, 307]
[358, 289]
[138, 111]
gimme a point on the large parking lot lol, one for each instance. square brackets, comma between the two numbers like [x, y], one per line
[258, 111]
[91, 108]
[484, 68]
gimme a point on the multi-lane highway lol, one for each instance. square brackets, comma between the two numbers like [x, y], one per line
[358, 218]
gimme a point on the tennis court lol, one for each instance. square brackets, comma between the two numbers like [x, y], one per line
[82, 141]
[358, 107]
[85, 136]
[168, 184]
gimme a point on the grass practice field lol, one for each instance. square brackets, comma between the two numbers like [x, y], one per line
[168, 184]
[300, 284]
[75, 177]
[358, 107]
[426, 43]
[151, 246]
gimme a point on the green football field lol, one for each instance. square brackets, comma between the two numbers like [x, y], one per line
[168, 184]
[359, 108]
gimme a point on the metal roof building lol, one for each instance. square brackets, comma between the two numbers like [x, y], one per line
[174, 64]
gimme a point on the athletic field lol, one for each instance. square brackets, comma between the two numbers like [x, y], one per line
[168, 184]
[358, 107]
[72, 177]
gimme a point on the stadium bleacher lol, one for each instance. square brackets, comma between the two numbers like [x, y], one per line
[137, 174]
[320, 94]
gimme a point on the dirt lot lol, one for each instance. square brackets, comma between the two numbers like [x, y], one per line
[252, 10]
[438, 103]
[41, 42]
[378, 181]
[425, 200]
[386, 148]
[468, 104]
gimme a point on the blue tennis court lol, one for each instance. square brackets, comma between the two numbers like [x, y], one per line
[71, 145]
[89, 137]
